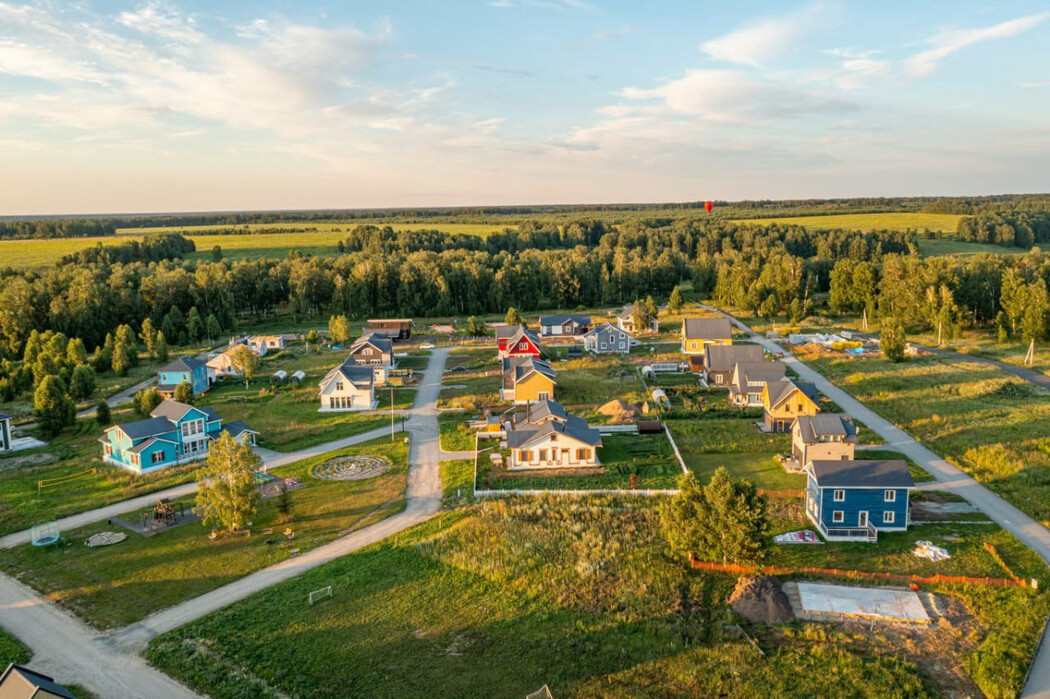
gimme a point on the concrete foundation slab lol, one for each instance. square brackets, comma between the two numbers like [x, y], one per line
[862, 602]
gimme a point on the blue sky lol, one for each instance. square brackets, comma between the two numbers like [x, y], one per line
[193, 106]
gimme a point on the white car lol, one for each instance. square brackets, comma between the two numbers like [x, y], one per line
[427, 345]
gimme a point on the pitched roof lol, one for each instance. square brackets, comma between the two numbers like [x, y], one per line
[32, 680]
[513, 332]
[138, 448]
[171, 410]
[141, 429]
[726, 357]
[237, 428]
[761, 373]
[606, 328]
[579, 318]
[889, 473]
[813, 427]
[707, 328]
[382, 343]
[184, 364]
[357, 374]
[517, 368]
[627, 313]
[541, 410]
[780, 390]
[574, 427]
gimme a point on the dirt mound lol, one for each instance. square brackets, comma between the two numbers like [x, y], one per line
[761, 600]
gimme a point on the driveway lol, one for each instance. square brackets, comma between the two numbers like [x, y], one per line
[109, 664]
[1030, 532]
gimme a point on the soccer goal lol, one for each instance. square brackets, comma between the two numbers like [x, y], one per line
[318, 595]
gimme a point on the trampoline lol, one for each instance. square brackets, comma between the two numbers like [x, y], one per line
[44, 535]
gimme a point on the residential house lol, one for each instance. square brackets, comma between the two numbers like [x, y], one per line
[394, 328]
[697, 333]
[564, 325]
[606, 339]
[192, 371]
[785, 400]
[349, 386]
[721, 360]
[855, 500]
[526, 380]
[240, 432]
[517, 341]
[19, 682]
[546, 436]
[5, 432]
[749, 380]
[261, 344]
[830, 437]
[376, 351]
[625, 322]
[175, 433]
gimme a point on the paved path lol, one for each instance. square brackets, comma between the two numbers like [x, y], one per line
[109, 664]
[113, 401]
[1030, 532]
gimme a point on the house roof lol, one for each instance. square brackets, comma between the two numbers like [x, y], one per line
[32, 680]
[516, 369]
[513, 332]
[813, 427]
[382, 343]
[401, 321]
[174, 411]
[606, 328]
[578, 318]
[138, 448]
[541, 410]
[726, 357]
[889, 473]
[627, 313]
[780, 390]
[355, 373]
[184, 364]
[573, 427]
[707, 328]
[141, 429]
[760, 373]
[237, 428]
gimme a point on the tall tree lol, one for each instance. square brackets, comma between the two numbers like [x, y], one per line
[148, 335]
[245, 362]
[195, 327]
[82, 382]
[146, 400]
[227, 497]
[76, 352]
[513, 317]
[676, 302]
[312, 339]
[184, 392]
[212, 327]
[102, 416]
[893, 341]
[339, 329]
[1033, 324]
[52, 408]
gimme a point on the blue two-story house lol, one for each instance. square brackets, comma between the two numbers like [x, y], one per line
[855, 500]
[192, 371]
[175, 433]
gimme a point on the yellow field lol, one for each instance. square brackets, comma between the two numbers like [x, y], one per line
[315, 227]
[942, 223]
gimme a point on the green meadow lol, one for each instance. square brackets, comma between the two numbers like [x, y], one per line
[899, 221]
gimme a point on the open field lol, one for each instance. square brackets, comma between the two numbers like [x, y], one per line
[984, 421]
[934, 247]
[582, 595]
[120, 584]
[706, 444]
[341, 228]
[914, 221]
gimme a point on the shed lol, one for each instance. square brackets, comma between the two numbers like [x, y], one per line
[298, 376]
[280, 375]
[660, 397]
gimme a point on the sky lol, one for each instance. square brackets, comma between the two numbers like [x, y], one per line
[122, 107]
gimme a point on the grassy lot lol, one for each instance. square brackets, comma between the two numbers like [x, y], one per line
[918, 473]
[477, 386]
[621, 456]
[12, 650]
[909, 221]
[595, 380]
[120, 584]
[984, 421]
[76, 450]
[582, 595]
[457, 482]
[455, 434]
[736, 444]
[287, 416]
[936, 247]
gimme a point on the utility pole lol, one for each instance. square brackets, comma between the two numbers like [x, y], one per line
[391, 413]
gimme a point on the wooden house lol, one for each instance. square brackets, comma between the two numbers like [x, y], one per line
[517, 341]
[750, 379]
[721, 360]
[829, 437]
[855, 500]
[697, 333]
[526, 380]
[785, 400]
[394, 328]
[572, 325]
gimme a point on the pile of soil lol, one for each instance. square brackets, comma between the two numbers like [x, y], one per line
[761, 600]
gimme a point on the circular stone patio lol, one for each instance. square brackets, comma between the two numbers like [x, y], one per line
[351, 468]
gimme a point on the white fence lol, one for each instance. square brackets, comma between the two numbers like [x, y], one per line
[596, 491]
[618, 429]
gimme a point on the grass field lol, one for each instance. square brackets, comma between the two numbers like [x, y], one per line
[941, 223]
[455, 434]
[120, 584]
[706, 444]
[582, 595]
[935, 247]
[984, 421]
[12, 650]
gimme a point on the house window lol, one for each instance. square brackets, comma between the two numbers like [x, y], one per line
[544, 395]
[840, 496]
[838, 517]
[525, 455]
[109, 450]
[888, 517]
[889, 496]
[339, 385]
[543, 455]
[367, 352]
[583, 454]
[158, 457]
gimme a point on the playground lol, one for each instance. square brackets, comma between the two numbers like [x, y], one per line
[163, 516]
[351, 468]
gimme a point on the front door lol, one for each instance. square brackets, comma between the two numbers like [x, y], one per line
[862, 520]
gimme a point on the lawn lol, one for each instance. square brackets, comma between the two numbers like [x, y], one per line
[903, 221]
[477, 385]
[595, 380]
[981, 419]
[648, 456]
[455, 434]
[457, 482]
[286, 415]
[706, 444]
[120, 584]
[12, 650]
[578, 594]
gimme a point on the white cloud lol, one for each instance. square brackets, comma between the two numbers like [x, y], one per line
[949, 41]
[762, 41]
[161, 20]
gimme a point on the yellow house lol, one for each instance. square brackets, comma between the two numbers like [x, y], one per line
[527, 380]
[785, 400]
[698, 333]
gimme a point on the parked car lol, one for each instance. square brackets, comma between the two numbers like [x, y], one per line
[427, 345]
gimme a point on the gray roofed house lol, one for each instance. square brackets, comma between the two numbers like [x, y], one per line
[382, 349]
[517, 369]
[608, 339]
[546, 436]
[349, 386]
[748, 380]
[882, 473]
[560, 325]
[625, 321]
[240, 432]
[823, 437]
[698, 332]
[150, 427]
[539, 412]
[721, 360]
[173, 410]
[19, 682]
[184, 364]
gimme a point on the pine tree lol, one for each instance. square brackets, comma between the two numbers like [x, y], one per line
[195, 325]
[227, 497]
[121, 361]
[102, 416]
[149, 337]
[893, 341]
[76, 353]
[676, 302]
[82, 382]
[52, 407]
[213, 327]
[161, 347]
[513, 317]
